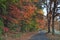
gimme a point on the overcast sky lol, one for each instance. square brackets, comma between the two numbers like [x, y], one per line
[45, 11]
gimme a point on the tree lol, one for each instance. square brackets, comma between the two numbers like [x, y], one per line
[52, 14]
[21, 12]
[4, 5]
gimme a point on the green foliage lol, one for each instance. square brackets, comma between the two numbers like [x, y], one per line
[4, 5]
[1, 23]
[3, 8]
[1, 38]
[13, 1]
[16, 35]
[2, 1]
[32, 25]
[29, 27]
[23, 27]
[12, 26]
[1, 31]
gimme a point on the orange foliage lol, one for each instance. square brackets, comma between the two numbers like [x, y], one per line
[27, 11]
[35, 0]
[42, 27]
[39, 20]
[40, 23]
[40, 11]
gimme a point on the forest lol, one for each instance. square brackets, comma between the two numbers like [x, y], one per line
[18, 17]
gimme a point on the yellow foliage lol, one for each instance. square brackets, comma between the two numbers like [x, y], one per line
[35, 0]
[40, 11]
[15, 21]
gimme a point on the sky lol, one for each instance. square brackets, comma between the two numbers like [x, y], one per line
[45, 11]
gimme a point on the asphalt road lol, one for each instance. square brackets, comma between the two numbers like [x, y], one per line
[40, 36]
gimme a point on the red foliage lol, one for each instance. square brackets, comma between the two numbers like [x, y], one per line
[26, 12]
[12, 20]
[5, 29]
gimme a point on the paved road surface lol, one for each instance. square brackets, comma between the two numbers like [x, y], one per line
[40, 36]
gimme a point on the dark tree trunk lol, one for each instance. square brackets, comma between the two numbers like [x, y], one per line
[53, 15]
[53, 24]
[49, 16]
[49, 21]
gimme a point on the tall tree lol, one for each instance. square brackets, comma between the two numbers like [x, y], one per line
[51, 14]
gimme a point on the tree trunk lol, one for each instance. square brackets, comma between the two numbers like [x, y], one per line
[53, 24]
[53, 15]
[53, 20]
[49, 21]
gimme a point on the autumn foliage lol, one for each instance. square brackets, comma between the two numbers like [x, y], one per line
[23, 14]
